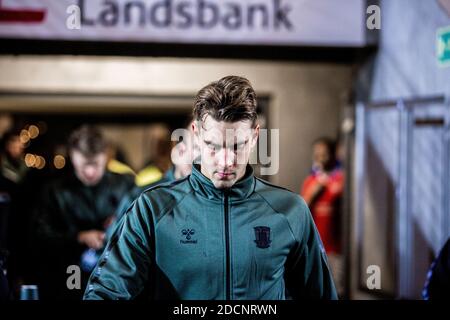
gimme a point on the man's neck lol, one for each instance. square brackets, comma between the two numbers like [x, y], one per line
[177, 173]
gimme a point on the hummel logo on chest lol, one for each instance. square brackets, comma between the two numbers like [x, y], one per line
[188, 233]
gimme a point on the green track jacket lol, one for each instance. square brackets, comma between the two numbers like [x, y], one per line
[189, 240]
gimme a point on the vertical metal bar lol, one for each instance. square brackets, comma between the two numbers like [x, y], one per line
[410, 242]
[404, 239]
[346, 220]
[360, 169]
[399, 226]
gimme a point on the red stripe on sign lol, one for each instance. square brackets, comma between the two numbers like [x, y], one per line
[21, 16]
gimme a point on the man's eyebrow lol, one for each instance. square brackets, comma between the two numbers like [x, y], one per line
[241, 142]
[210, 142]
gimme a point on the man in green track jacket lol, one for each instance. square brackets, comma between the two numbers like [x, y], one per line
[220, 233]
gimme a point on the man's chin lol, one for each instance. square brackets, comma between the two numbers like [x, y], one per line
[223, 184]
[91, 183]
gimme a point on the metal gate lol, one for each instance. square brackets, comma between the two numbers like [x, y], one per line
[402, 190]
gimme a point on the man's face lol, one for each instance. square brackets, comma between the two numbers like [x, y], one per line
[225, 149]
[15, 147]
[321, 156]
[89, 170]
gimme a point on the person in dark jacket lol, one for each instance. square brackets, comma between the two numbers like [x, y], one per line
[220, 233]
[437, 286]
[75, 211]
[14, 212]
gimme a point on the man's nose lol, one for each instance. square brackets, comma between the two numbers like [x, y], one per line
[226, 158]
[89, 171]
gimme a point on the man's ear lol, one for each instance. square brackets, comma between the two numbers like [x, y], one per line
[196, 132]
[195, 126]
[255, 136]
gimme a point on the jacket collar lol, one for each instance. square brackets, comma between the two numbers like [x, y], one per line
[241, 190]
[75, 182]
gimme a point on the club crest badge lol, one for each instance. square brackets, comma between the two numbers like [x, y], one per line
[262, 237]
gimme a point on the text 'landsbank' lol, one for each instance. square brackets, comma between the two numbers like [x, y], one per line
[203, 14]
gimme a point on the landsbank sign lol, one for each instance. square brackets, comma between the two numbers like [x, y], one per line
[254, 22]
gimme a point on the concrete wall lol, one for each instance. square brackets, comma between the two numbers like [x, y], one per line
[305, 99]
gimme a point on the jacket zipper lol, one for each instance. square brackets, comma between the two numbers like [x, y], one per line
[227, 248]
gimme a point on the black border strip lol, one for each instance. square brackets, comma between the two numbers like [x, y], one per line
[255, 52]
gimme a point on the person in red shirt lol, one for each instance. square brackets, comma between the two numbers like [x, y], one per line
[322, 191]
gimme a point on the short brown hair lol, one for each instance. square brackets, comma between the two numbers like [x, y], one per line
[88, 140]
[229, 99]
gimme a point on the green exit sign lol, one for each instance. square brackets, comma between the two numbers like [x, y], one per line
[443, 46]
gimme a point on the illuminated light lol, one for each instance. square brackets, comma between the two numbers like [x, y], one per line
[24, 136]
[33, 131]
[59, 161]
[37, 162]
[40, 163]
[30, 160]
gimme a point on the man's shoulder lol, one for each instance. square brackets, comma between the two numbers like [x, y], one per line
[120, 178]
[168, 187]
[281, 200]
[56, 191]
[56, 184]
[164, 196]
[276, 193]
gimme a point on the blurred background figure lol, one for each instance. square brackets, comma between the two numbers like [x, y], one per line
[74, 212]
[322, 191]
[13, 167]
[159, 163]
[116, 160]
[13, 173]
